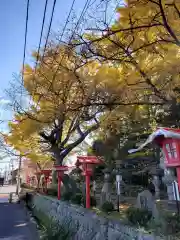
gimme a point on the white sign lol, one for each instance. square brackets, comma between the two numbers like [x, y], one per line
[176, 191]
[118, 178]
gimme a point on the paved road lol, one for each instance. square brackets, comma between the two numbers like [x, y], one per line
[14, 222]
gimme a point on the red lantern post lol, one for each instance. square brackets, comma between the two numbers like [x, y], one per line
[28, 180]
[171, 150]
[46, 173]
[88, 162]
[60, 172]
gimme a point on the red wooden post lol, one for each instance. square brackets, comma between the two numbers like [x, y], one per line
[87, 163]
[46, 183]
[88, 200]
[178, 176]
[59, 186]
[60, 171]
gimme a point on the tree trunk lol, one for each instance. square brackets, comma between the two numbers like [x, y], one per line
[38, 182]
[57, 155]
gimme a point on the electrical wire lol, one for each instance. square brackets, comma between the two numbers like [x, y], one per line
[67, 20]
[25, 38]
[64, 28]
[114, 12]
[49, 28]
[25, 43]
[76, 26]
[41, 34]
[40, 40]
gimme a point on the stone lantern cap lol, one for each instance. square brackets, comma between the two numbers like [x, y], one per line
[107, 171]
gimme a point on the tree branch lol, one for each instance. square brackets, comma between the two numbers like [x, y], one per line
[71, 146]
[166, 25]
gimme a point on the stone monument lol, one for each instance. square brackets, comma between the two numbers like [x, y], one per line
[107, 187]
[168, 179]
[145, 200]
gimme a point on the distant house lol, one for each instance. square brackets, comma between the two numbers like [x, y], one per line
[13, 178]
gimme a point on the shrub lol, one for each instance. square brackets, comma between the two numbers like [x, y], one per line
[92, 201]
[77, 199]
[107, 207]
[52, 191]
[24, 185]
[66, 196]
[172, 223]
[138, 216]
[22, 197]
[53, 230]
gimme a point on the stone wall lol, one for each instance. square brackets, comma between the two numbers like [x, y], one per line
[85, 224]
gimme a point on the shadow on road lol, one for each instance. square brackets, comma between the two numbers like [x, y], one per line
[14, 224]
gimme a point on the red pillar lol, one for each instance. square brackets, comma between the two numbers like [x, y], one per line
[88, 204]
[178, 176]
[46, 183]
[59, 187]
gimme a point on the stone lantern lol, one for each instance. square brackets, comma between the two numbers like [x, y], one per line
[107, 187]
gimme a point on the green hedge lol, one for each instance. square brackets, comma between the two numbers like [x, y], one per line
[138, 216]
[50, 229]
[107, 207]
[78, 198]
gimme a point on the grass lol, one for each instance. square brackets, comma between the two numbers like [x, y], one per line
[121, 216]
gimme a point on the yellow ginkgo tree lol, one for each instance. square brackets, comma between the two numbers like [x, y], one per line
[27, 148]
[69, 96]
[144, 45]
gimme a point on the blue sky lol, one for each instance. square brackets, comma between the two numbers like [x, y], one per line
[12, 28]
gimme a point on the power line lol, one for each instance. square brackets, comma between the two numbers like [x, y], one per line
[77, 24]
[49, 28]
[64, 28]
[67, 20]
[40, 40]
[25, 37]
[41, 34]
[25, 42]
[114, 12]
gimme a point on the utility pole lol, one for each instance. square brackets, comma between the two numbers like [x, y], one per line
[11, 168]
[19, 175]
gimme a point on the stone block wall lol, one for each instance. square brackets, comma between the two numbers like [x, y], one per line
[84, 223]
